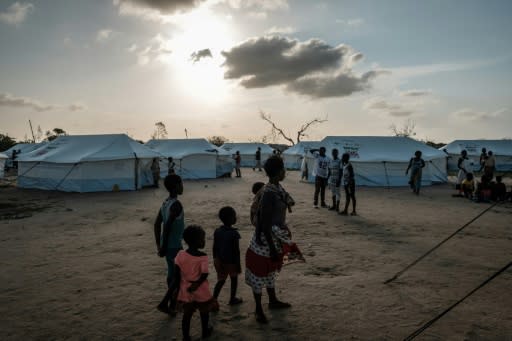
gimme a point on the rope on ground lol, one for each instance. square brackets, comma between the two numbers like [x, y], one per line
[431, 322]
[439, 244]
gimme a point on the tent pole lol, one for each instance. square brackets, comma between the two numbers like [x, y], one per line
[386, 172]
[136, 171]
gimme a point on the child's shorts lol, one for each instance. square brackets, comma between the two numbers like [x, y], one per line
[224, 270]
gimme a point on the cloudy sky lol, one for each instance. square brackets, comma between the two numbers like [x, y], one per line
[211, 66]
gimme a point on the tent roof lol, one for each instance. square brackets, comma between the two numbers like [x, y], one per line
[474, 147]
[3, 156]
[300, 147]
[178, 148]
[247, 147]
[380, 148]
[24, 147]
[80, 148]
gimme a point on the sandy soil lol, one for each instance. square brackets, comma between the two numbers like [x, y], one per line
[84, 266]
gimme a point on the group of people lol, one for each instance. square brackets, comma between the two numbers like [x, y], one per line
[155, 169]
[238, 162]
[334, 173]
[187, 270]
[486, 189]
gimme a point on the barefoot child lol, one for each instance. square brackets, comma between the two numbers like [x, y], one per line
[191, 271]
[226, 254]
[168, 240]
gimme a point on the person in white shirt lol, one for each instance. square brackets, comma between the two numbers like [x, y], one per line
[321, 173]
[335, 180]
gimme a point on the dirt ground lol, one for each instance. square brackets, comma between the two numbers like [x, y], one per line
[84, 266]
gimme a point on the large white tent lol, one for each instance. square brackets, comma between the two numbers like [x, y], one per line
[87, 163]
[3, 158]
[382, 160]
[248, 151]
[194, 158]
[294, 155]
[21, 149]
[502, 150]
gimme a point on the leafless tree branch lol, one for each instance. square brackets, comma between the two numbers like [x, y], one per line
[276, 131]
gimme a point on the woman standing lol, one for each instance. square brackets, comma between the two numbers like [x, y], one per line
[264, 257]
[417, 164]
[462, 165]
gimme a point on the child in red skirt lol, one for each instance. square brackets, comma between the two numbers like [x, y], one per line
[191, 272]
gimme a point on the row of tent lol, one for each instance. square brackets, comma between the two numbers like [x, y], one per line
[89, 163]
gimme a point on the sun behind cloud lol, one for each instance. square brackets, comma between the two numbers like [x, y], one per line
[199, 31]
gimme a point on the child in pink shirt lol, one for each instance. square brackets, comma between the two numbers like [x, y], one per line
[191, 271]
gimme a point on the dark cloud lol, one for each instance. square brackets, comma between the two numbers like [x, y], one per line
[198, 55]
[343, 84]
[162, 6]
[312, 68]
[8, 100]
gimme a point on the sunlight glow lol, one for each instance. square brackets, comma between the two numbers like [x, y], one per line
[200, 30]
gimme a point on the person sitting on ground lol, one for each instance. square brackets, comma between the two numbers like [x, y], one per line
[483, 190]
[468, 186]
[499, 190]
[226, 254]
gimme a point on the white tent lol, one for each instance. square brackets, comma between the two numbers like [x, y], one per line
[3, 158]
[194, 158]
[87, 163]
[21, 149]
[248, 152]
[294, 155]
[382, 160]
[502, 150]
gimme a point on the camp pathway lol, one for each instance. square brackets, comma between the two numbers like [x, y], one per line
[84, 266]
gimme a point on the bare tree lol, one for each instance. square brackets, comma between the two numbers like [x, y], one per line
[407, 130]
[276, 131]
[160, 131]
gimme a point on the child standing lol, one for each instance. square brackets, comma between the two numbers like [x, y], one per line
[416, 164]
[168, 240]
[191, 272]
[226, 254]
[238, 162]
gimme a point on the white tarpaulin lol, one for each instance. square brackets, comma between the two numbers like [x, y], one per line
[294, 155]
[194, 158]
[21, 149]
[3, 158]
[87, 163]
[248, 152]
[502, 150]
[382, 160]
